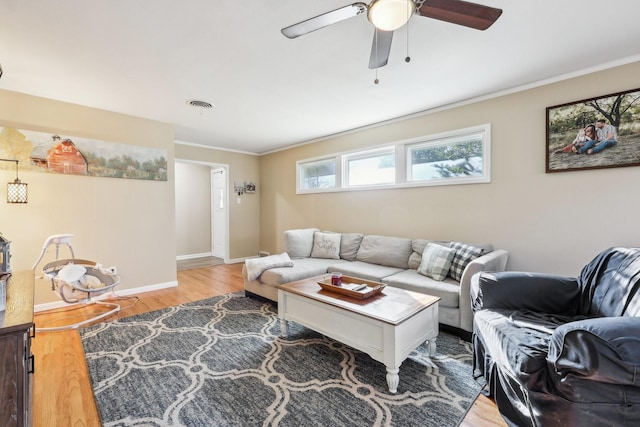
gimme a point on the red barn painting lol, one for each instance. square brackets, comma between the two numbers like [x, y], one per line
[85, 157]
[65, 157]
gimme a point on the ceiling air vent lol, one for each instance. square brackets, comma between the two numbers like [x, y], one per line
[199, 104]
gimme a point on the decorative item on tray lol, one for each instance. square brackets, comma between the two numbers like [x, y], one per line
[352, 286]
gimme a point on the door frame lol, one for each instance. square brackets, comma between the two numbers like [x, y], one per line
[214, 226]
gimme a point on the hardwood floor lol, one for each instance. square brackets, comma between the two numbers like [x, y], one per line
[483, 412]
[62, 391]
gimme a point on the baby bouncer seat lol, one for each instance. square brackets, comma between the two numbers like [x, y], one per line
[77, 281]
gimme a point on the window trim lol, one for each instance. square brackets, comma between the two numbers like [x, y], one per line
[402, 162]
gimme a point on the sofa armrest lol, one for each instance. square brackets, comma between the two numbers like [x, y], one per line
[514, 290]
[605, 349]
[493, 261]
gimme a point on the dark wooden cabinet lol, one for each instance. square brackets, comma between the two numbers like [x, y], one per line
[16, 360]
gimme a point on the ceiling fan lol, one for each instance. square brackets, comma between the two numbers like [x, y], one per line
[389, 15]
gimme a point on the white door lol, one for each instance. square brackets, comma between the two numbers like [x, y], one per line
[219, 201]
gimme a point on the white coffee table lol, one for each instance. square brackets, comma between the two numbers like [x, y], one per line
[387, 327]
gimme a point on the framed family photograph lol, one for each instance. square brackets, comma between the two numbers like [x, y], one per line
[595, 133]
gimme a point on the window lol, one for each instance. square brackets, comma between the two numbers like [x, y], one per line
[457, 157]
[370, 168]
[317, 175]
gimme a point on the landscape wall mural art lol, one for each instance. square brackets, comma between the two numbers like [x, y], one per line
[56, 153]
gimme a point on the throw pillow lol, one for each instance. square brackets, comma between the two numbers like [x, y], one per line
[326, 245]
[417, 246]
[464, 255]
[436, 261]
[299, 243]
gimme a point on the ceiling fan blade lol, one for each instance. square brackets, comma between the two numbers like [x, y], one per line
[380, 48]
[460, 12]
[324, 20]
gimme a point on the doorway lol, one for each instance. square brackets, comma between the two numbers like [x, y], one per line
[202, 217]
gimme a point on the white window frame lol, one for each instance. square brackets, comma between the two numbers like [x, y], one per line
[309, 162]
[450, 139]
[362, 155]
[403, 165]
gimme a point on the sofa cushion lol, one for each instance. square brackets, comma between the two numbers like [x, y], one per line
[463, 256]
[349, 245]
[518, 341]
[302, 269]
[364, 270]
[436, 261]
[418, 245]
[385, 250]
[410, 280]
[299, 243]
[326, 245]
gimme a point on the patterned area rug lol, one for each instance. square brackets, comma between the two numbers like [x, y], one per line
[221, 362]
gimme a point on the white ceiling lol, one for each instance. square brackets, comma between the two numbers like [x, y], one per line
[146, 58]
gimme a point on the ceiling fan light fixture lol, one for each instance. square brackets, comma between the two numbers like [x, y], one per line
[389, 15]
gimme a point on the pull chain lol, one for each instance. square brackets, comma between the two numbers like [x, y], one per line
[375, 36]
[408, 58]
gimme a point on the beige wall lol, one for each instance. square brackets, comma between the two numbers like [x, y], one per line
[548, 222]
[193, 209]
[123, 222]
[244, 218]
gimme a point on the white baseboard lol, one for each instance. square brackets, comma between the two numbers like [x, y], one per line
[192, 256]
[124, 292]
[226, 261]
[236, 260]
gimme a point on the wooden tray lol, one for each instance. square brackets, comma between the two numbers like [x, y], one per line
[373, 288]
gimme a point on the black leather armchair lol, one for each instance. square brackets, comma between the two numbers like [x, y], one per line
[562, 351]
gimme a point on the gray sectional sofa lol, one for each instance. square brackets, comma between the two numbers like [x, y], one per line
[394, 261]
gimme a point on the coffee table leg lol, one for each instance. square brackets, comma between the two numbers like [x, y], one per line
[284, 328]
[431, 346]
[393, 379]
